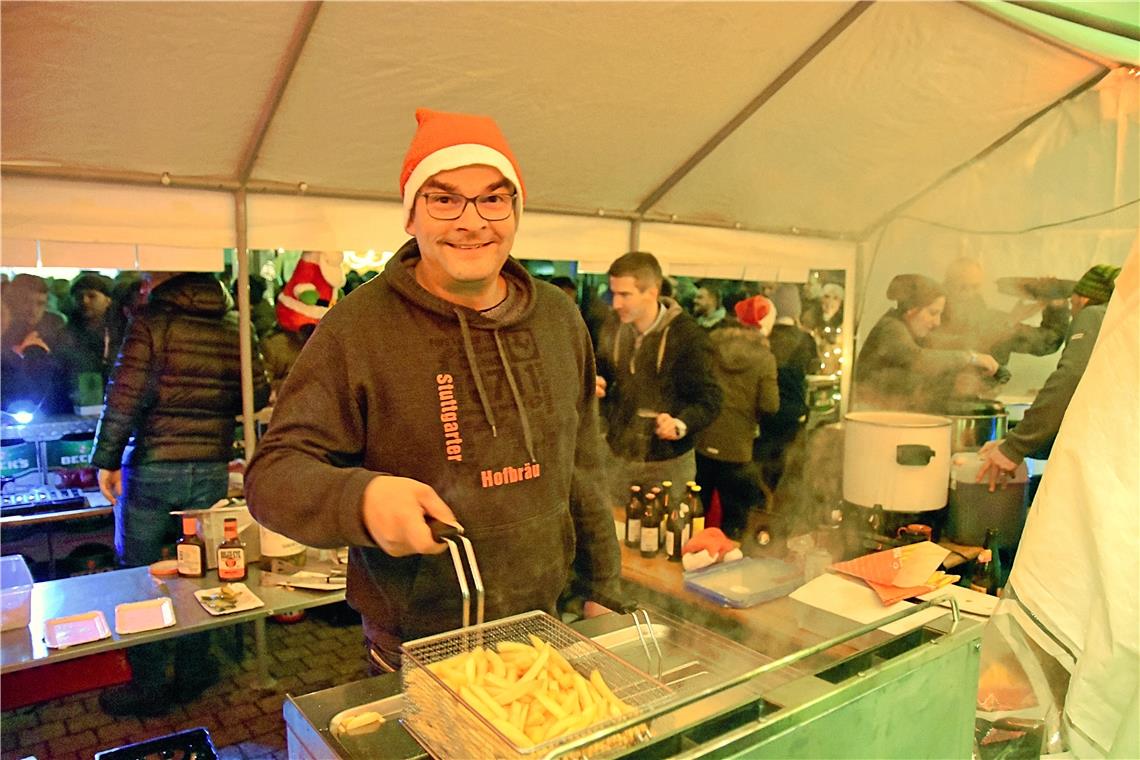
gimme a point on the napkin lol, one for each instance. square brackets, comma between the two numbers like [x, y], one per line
[900, 573]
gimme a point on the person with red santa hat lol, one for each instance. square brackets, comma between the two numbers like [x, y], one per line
[745, 369]
[454, 386]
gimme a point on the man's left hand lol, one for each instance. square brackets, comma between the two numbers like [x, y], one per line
[996, 466]
[667, 427]
[592, 610]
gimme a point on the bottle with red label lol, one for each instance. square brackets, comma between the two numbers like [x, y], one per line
[231, 554]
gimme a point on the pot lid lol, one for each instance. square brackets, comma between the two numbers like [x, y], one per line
[973, 406]
[898, 419]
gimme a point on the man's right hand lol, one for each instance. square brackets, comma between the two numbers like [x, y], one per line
[599, 386]
[111, 485]
[395, 511]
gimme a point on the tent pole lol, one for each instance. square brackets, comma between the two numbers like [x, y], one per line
[634, 234]
[245, 331]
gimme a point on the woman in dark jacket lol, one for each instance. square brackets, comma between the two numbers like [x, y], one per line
[163, 444]
[895, 370]
[745, 369]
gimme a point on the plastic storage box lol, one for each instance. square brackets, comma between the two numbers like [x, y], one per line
[745, 582]
[16, 582]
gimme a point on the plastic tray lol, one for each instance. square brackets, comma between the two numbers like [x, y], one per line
[64, 632]
[746, 582]
[149, 615]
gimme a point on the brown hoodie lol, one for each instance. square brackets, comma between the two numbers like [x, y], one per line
[498, 416]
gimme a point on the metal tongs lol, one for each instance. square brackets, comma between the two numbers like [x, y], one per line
[452, 535]
[646, 634]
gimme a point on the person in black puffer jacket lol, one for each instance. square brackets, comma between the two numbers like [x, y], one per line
[163, 444]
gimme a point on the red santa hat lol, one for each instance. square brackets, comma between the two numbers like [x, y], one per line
[446, 141]
[756, 311]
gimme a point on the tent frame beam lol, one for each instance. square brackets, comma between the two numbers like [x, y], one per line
[277, 89]
[755, 105]
[980, 7]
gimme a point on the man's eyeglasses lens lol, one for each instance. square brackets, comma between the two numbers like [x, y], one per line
[493, 207]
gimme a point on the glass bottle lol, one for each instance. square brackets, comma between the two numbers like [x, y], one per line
[697, 508]
[231, 554]
[986, 578]
[675, 534]
[275, 546]
[633, 512]
[191, 550]
[650, 527]
[981, 580]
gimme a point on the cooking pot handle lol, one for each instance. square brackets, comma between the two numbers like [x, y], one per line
[913, 454]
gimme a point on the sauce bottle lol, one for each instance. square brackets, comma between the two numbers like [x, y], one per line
[231, 554]
[191, 550]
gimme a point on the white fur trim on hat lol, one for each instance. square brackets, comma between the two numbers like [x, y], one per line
[455, 157]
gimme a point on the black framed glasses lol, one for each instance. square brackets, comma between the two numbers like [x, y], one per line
[493, 207]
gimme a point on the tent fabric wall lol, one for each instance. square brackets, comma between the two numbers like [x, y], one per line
[1019, 209]
[94, 212]
[1086, 514]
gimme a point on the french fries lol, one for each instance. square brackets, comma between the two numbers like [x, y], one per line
[529, 692]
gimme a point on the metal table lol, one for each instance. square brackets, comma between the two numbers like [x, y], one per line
[25, 648]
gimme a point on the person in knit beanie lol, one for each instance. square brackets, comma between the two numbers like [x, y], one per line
[1034, 435]
[455, 393]
[1096, 285]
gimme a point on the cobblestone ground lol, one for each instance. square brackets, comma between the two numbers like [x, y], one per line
[243, 720]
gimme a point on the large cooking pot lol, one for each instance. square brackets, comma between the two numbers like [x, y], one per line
[974, 422]
[900, 460]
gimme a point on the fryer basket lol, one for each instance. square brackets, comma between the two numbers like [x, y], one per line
[448, 727]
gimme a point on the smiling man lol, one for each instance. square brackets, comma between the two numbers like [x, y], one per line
[452, 386]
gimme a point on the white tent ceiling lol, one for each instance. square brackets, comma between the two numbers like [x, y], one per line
[792, 118]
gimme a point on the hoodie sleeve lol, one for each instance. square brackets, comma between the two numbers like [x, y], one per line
[597, 560]
[698, 394]
[305, 480]
[1043, 419]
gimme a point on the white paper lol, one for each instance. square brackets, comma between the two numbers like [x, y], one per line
[854, 600]
[970, 602]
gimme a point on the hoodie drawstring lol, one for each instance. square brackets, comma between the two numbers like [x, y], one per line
[469, 349]
[527, 436]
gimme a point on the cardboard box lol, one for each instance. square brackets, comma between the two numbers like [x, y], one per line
[211, 529]
[15, 593]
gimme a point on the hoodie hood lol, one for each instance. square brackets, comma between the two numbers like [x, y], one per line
[400, 273]
[737, 348]
[627, 333]
[194, 293]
